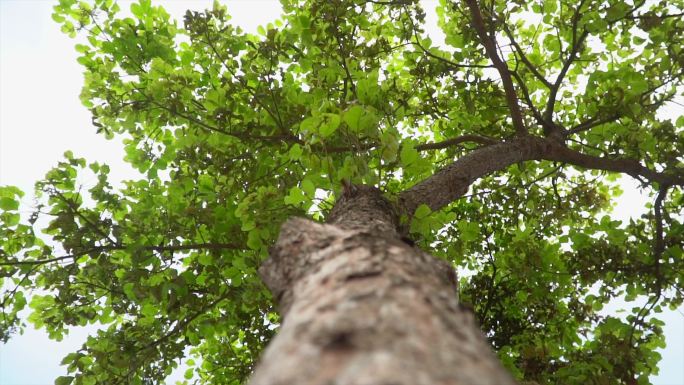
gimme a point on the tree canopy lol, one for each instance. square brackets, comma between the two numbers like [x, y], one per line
[540, 106]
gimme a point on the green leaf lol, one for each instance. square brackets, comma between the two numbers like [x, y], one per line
[58, 18]
[295, 197]
[254, 241]
[423, 211]
[368, 89]
[295, 152]
[8, 204]
[352, 117]
[64, 380]
[149, 310]
[309, 124]
[329, 124]
[680, 121]
[10, 192]
[205, 259]
[247, 225]
[408, 154]
[390, 146]
[10, 220]
[308, 187]
[469, 231]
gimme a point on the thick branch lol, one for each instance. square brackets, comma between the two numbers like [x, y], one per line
[485, 140]
[480, 139]
[630, 167]
[490, 46]
[526, 95]
[452, 182]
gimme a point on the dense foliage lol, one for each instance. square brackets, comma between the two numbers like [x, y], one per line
[233, 133]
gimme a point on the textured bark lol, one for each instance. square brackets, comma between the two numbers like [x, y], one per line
[360, 306]
[452, 182]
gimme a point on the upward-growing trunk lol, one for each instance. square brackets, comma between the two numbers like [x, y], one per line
[361, 306]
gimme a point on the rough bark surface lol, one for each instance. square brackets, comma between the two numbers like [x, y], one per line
[360, 306]
[452, 182]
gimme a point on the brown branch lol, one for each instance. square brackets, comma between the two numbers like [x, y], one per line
[591, 123]
[452, 182]
[44, 261]
[194, 246]
[434, 56]
[659, 245]
[446, 61]
[528, 100]
[484, 140]
[631, 167]
[73, 209]
[490, 47]
[5, 301]
[550, 104]
[237, 135]
[480, 139]
[652, 15]
[577, 43]
[395, 2]
[233, 73]
[597, 121]
[524, 58]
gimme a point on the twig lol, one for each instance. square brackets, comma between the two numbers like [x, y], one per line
[490, 47]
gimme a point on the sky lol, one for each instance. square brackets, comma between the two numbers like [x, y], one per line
[41, 117]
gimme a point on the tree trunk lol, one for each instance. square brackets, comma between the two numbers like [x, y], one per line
[361, 306]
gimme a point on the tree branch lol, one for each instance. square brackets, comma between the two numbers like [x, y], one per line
[591, 123]
[193, 246]
[526, 95]
[631, 167]
[238, 135]
[434, 56]
[452, 182]
[484, 140]
[524, 58]
[490, 47]
[659, 244]
[480, 139]
[576, 46]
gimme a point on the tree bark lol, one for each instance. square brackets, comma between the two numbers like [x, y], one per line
[361, 306]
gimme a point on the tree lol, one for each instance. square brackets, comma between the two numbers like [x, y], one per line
[498, 154]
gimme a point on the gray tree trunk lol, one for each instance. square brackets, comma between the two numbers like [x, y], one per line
[360, 306]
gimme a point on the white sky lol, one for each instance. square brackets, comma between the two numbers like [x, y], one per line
[41, 117]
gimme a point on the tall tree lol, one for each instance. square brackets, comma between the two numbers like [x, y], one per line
[497, 154]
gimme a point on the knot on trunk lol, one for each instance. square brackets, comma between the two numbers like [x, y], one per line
[365, 208]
